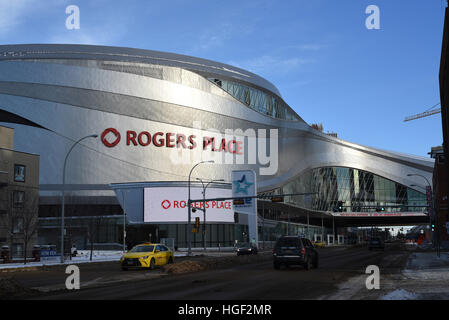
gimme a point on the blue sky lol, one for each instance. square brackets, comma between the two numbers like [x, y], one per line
[328, 66]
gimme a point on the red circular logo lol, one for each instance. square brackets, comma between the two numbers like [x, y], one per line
[165, 204]
[106, 142]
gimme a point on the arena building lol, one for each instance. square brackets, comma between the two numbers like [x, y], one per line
[157, 115]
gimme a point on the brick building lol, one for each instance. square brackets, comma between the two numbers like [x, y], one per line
[19, 198]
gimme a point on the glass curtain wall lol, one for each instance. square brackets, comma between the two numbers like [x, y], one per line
[355, 190]
[257, 99]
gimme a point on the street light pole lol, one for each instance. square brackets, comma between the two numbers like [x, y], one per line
[204, 207]
[189, 209]
[124, 222]
[63, 192]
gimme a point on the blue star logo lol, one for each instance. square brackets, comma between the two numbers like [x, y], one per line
[239, 183]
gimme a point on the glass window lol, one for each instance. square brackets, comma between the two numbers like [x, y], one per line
[142, 249]
[18, 199]
[288, 242]
[17, 249]
[358, 190]
[17, 225]
[256, 99]
[19, 173]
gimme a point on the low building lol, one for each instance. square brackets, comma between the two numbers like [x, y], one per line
[440, 189]
[19, 196]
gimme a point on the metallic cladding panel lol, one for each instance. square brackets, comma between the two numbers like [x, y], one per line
[73, 101]
[87, 52]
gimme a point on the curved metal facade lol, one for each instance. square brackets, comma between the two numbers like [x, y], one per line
[54, 94]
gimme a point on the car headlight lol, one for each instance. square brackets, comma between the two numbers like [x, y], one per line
[145, 258]
[249, 249]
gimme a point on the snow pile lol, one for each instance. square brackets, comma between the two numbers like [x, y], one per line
[400, 295]
[183, 267]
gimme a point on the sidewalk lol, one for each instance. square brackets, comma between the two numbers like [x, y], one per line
[425, 277]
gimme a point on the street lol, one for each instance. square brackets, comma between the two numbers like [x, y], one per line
[256, 280]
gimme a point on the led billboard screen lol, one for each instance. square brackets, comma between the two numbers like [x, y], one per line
[169, 204]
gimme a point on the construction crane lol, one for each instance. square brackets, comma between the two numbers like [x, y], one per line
[426, 113]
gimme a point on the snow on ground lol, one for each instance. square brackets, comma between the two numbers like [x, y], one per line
[425, 276]
[83, 256]
[426, 260]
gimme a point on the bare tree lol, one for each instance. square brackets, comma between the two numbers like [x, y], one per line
[29, 218]
[93, 225]
[21, 222]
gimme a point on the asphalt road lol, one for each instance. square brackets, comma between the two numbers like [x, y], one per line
[256, 280]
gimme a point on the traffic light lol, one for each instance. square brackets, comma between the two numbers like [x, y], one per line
[380, 209]
[239, 202]
[340, 206]
[197, 223]
[433, 226]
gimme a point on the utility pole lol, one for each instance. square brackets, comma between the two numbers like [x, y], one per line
[263, 225]
[124, 222]
[189, 212]
[204, 207]
[63, 194]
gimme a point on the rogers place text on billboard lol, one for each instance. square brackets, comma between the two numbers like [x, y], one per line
[169, 204]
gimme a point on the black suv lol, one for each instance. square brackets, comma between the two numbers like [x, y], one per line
[291, 250]
[376, 243]
[246, 248]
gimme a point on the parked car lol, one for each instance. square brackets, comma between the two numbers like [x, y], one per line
[376, 243]
[246, 248]
[291, 250]
[147, 255]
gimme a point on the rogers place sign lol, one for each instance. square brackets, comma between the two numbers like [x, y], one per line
[111, 137]
[169, 204]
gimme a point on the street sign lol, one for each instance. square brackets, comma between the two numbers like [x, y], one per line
[244, 185]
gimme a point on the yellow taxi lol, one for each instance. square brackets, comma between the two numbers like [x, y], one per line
[147, 255]
[319, 244]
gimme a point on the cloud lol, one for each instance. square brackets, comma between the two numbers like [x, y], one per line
[268, 64]
[220, 35]
[311, 46]
[94, 36]
[211, 39]
[105, 29]
[13, 12]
